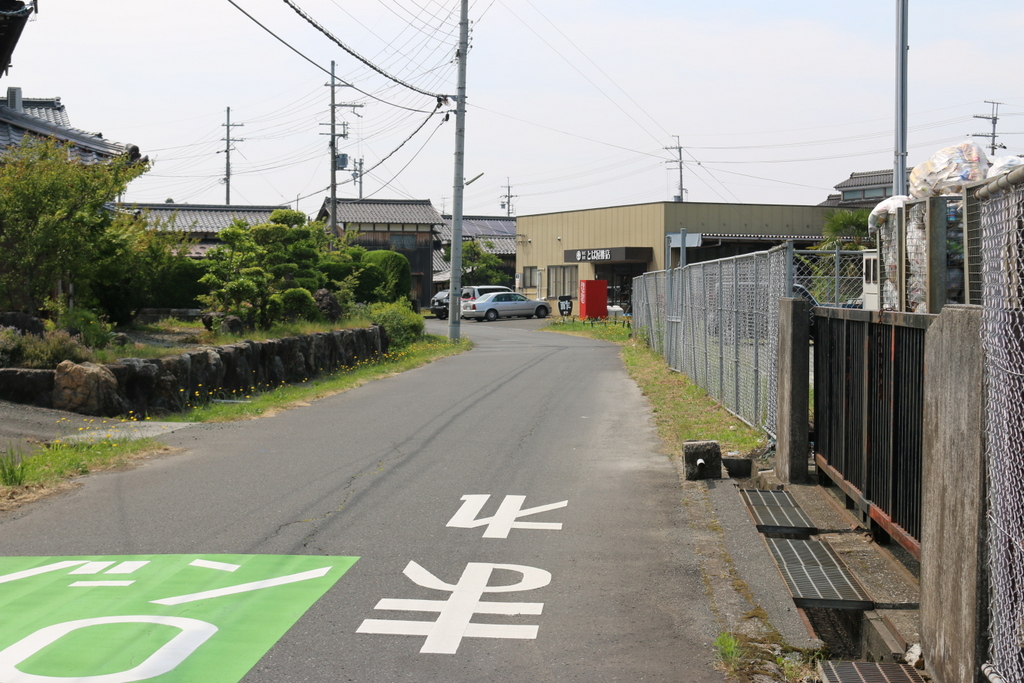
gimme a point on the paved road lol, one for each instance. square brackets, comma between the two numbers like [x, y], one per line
[380, 472]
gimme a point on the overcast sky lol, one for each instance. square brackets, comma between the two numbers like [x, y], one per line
[573, 102]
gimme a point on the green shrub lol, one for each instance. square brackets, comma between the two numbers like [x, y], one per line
[178, 285]
[299, 303]
[402, 325]
[81, 322]
[49, 351]
[371, 282]
[397, 273]
[12, 347]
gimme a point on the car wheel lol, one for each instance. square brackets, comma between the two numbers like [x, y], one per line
[542, 312]
[442, 316]
[491, 315]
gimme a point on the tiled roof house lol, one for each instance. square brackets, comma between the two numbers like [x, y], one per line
[408, 226]
[496, 234]
[201, 221]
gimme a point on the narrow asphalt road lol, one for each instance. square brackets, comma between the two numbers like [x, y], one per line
[603, 588]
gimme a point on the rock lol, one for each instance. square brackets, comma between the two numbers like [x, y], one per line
[31, 387]
[702, 460]
[327, 304]
[232, 324]
[23, 322]
[121, 339]
[914, 657]
[88, 389]
[209, 319]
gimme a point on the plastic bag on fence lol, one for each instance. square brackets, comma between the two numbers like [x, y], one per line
[1001, 165]
[948, 170]
[883, 210]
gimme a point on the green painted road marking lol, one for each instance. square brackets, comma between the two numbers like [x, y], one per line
[159, 618]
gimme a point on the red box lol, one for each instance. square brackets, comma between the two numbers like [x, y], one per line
[593, 298]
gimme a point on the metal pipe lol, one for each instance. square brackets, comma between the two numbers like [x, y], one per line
[992, 674]
[1003, 182]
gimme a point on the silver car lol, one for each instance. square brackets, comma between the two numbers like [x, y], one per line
[504, 305]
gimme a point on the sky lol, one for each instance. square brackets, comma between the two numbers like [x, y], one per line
[571, 105]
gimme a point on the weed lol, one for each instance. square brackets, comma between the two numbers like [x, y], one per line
[730, 652]
[12, 467]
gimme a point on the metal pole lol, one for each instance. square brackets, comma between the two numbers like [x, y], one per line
[899, 177]
[227, 163]
[333, 213]
[836, 285]
[455, 290]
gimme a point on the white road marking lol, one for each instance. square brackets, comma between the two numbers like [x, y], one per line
[90, 584]
[244, 587]
[45, 569]
[209, 564]
[128, 567]
[504, 520]
[453, 623]
[92, 568]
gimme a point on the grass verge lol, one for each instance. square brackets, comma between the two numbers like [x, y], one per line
[91, 446]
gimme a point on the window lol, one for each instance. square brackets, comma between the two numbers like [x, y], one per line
[530, 276]
[403, 242]
[874, 192]
[562, 281]
[852, 194]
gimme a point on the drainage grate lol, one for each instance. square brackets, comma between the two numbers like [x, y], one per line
[863, 672]
[815, 575]
[776, 512]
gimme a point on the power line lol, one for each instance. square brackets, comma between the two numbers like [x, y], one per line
[326, 71]
[346, 48]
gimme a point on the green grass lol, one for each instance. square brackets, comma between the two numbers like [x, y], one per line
[731, 652]
[609, 330]
[260, 404]
[12, 467]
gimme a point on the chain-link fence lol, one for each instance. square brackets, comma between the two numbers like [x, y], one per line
[1002, 253]
[717, 321]
[817, 273]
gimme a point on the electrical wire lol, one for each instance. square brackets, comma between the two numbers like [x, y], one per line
[326, 71]
[298, 10]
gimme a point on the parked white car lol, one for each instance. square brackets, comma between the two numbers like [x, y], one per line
[504, 305]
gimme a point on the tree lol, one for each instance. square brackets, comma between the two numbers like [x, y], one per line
[397, 274]
[52, 218]
[479, 267]
[845, 228]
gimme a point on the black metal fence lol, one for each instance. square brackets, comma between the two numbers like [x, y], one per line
[868, 413]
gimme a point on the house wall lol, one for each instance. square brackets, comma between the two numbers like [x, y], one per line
[645, 225]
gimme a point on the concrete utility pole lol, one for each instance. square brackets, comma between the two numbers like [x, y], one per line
[899, 171]
[357, 175]
[679, 150]
[992, 144]
[506, 199]
[455, 290]
[227, 152]
[332, 219]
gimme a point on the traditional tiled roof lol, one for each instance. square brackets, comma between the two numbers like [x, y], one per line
[484, 225]
[384, 211]
[12, 22]
[500, 245]
[867, 179]
[833, 200]
[48, 119]
[203, 219]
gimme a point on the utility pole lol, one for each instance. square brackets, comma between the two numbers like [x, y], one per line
[357, 175]
[227, 153]
[679, 161]
[994, 118]
[455, 290]
[506, 199]
[332, 219]
[899, 170]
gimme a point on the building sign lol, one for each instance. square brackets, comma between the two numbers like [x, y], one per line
[612, 254]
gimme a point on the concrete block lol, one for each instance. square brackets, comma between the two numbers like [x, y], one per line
[702, 460]
[793, 391]
[738, 468]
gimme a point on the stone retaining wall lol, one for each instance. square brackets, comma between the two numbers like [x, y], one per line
[169, 384]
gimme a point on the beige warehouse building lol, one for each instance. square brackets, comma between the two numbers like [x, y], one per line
[557, 250]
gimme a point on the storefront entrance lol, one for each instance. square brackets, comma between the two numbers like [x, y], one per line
[620, 280]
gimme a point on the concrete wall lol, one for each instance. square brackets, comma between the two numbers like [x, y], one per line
[954, 594]
[793, 391]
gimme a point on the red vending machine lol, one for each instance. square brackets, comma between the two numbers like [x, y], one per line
[593, 298]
